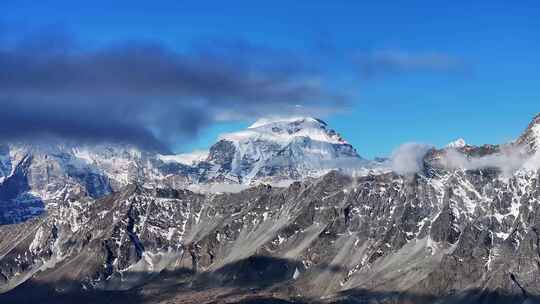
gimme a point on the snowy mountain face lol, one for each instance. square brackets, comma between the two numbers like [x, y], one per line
[461, 230]
[281, 149]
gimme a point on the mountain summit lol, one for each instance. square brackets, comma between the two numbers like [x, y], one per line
[288, 128]
[280, 149]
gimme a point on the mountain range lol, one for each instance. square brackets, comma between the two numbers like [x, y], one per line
[271, 151]
[285, 211]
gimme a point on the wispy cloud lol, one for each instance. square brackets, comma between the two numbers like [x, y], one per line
[393, 62]
[509, 159]
[408, 158]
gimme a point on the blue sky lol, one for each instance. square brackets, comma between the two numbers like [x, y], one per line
[435, 71]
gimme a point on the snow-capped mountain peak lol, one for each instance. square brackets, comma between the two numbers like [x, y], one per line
[275, 120]
[281, 148]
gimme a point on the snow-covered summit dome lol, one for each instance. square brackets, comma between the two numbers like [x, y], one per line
[285, 130]
[274, 120]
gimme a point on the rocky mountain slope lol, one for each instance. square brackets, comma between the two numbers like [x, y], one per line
[455, 232]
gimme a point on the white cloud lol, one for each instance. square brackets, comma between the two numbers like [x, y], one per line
[408, 158]
[508, 160]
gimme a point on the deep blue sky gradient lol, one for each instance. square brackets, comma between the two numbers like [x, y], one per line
[489, 98]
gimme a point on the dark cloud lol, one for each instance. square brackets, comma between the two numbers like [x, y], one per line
[145, 93]
[22, 120]
[393, 62]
